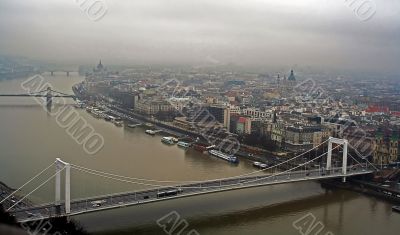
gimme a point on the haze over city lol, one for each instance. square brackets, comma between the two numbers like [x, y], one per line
[254, 33]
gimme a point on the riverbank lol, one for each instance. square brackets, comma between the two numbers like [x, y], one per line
[253, 153]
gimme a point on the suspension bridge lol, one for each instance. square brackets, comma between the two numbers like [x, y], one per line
[48, 93]
[165, 190]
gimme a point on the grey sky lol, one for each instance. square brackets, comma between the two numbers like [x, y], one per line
[321, 33]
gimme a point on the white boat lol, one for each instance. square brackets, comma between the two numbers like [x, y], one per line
[167, 140]
[148, 124]
[89, 109]
[256, 164]
[183, 144]
[133, 125]
[118, 123]
[79, 104]
[108, 118]
[97, 113]
[226, 157]
[150, 132]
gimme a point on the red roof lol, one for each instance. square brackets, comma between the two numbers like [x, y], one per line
[395, 113]
[377, 109]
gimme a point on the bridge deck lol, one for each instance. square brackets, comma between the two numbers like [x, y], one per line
[31, 95]
[111, 201]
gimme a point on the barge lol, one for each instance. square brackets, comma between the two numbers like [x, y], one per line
[167, 140]
[226, 157]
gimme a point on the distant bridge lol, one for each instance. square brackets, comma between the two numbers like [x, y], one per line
[67, 72]
[48, 93]
[52, 70]
[159, 192]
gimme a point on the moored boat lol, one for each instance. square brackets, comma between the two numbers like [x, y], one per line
[183, 144]
[89, 109]
[226, 157]
[97, 113]
[396, 208]
[148, 124]
[79, 104]
[118, 123]
[167, 140]
[133, 125]
[200, 147]
[150, 132]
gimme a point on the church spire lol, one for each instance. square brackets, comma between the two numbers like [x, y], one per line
[292, 77]
[100, 66]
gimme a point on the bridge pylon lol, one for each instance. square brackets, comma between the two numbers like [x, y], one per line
[345, 144]
[49, 96]
[59, 167]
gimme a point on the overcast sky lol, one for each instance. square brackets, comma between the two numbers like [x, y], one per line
[320, 33]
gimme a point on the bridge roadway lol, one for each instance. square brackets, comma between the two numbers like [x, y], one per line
[35, 95]
[111, 201]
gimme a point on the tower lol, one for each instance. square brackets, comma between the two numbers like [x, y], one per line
[345, 144]
[49, 97]
[60, 166]
[292, 79]
[100, 66]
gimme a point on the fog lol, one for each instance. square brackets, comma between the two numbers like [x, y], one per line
[319, 33]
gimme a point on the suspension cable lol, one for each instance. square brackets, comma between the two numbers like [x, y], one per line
[114, 178]
[11, 194]
[51, 177]
[198, 181]
[300, 165]
[362, 157]
[180, 186]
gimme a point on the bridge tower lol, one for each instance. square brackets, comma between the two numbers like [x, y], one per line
[67, 73]
[345, 144]
[49, 96]
[59, 166]
[52, 73]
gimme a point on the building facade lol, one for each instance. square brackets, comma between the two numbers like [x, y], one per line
[386, 148]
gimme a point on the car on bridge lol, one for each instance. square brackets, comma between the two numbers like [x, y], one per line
[98, 203]
[169, 193]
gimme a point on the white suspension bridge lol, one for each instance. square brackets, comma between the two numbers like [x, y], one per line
[165, 190]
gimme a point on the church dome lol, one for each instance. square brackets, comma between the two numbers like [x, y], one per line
[292, 77]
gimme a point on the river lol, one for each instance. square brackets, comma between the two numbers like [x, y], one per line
[31, 139]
